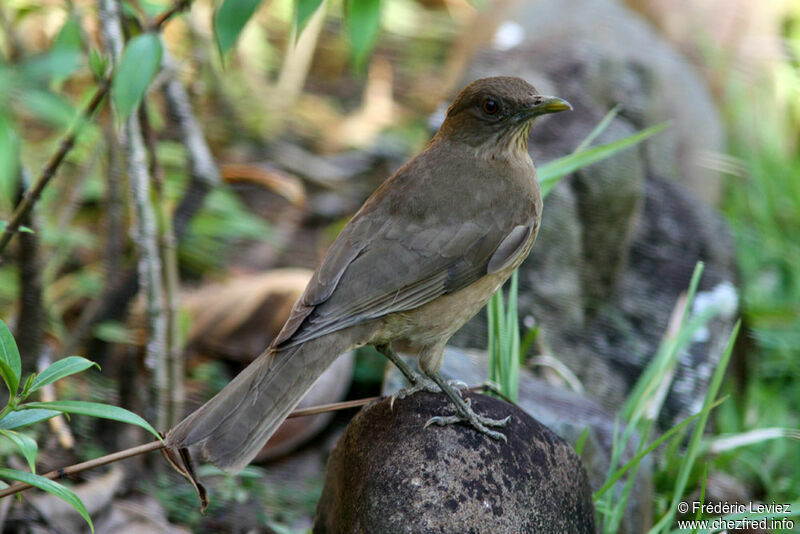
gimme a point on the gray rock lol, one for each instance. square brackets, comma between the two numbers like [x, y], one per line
[451, 479]
[567, 413]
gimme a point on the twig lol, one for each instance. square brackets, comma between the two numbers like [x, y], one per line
[30, 331]
[145, 236]
[204, 174]
[156, 445]
[33, 194]
[170, 402]
[177, 7]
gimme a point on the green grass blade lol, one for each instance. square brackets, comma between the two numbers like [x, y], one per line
[600, 128]
[697, 436]
[619, 473]
[551, 172]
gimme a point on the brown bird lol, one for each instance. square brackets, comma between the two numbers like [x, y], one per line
[420, 258]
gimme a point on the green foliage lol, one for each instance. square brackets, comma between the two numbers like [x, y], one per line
[61, 369]
[49, 486]
[24, 418]
[18, 413]
[9, 155]
[363, 23]
[140, 63]
[693, 449]
[229, 21]
[10, 364]
[762, 207]
[68, 45]
[504, 340]
[303, 12]
[550, 173]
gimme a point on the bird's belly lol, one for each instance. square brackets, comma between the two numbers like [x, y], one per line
[436, 321]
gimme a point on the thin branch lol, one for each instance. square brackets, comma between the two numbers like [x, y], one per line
[156, 445]
[170, 364]
[145, 237]
[30, 325]
[49, 171]
[177, 7]
[204, 174]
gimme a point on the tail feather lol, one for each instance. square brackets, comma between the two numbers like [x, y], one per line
[234, 425]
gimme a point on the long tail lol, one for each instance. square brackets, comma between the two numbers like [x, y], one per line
[235, 424]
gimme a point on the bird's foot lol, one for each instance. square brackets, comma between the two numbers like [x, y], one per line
[420, 383]
[467, 415]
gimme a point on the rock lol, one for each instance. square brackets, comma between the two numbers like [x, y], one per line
[567, 413]
[389, 474]
[619, 239]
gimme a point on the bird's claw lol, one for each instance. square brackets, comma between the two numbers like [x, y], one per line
[457, 384]
[423, 383]
[478, 422]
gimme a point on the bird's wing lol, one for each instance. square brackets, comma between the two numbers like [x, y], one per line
[381, 265]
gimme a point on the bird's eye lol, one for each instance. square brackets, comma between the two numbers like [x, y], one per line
[490, 107]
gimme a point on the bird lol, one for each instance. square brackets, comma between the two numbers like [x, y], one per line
[419, 259]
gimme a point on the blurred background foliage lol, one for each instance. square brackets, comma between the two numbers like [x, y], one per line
[306, 106]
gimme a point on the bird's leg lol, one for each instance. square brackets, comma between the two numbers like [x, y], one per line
[419, 382]
[465, 412]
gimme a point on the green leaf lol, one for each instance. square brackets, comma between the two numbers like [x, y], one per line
[114, 332]
[68, 45]
[50, 487]
[26, 389]
[551, 172]
[49, 107]
[24, 418]
[69, 36]
[93, 409]
[98, 63]
[139, 65]
[363, 22]
[54, 65]
[304, 10]
[9, 160]
[23, 229]
[10, 365]
[229, 21]
[60, 369]
[26, 445]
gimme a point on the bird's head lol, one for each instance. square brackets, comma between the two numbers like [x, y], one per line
[497, 113]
